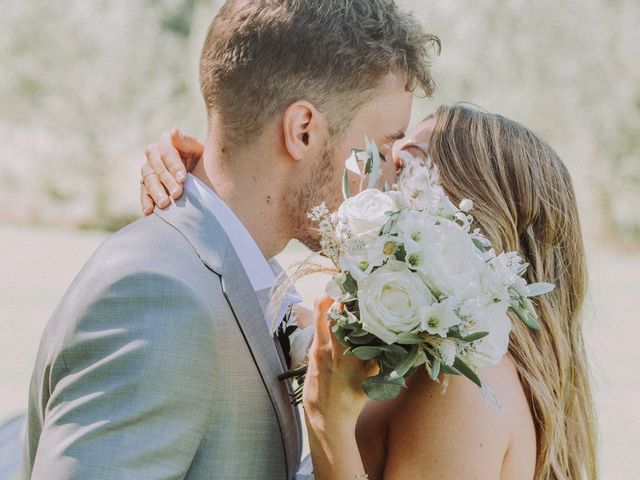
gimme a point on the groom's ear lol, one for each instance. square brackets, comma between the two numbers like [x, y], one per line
[303, 127]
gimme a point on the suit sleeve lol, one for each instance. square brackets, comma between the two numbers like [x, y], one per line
[136, 396]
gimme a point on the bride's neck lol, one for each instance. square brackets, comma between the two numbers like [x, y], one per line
[251, 194]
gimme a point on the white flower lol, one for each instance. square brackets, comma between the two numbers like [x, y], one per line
[366, 213]
[491, 318]
[300, 341]
[447, 350]
[335, 290]
[466, 205]
[439, 317]
[361, 262]
[357, 264]
[507, 267]
[412, 225]
[391, 301]
[451, 262]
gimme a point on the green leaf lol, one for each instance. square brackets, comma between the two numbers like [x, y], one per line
[474, 337]
[524, 314]
[408, 362]
[479, 245]
[346, 189]
[435, 368]
[401, 253]
[454, 334]
[408, 338]
[350, 285]
[531, 321]
[540, 288]
[362, 340]
[368, 352]
[466, 370]
[383, 387]
[444, 368]
[394, 355]
[374, 170]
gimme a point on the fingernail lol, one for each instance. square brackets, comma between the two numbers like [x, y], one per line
[175, 190]
[163, 201]
[180, 176]
[180, 133]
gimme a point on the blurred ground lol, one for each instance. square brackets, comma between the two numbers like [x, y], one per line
[43, 262]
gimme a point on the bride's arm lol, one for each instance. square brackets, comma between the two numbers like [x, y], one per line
[333, 399]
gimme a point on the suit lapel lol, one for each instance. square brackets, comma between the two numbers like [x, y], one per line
[249, 315]
[212, 245]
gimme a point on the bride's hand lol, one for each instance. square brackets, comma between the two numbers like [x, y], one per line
[333, 396]
[168, 162]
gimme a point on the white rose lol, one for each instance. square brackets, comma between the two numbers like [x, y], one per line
[300, 342]
[365, 214]
[491, 318]
[391, 301]
[450, 262]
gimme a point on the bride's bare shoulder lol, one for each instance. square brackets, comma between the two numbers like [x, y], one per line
[462, 434]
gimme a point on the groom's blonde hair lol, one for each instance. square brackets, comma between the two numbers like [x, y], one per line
[262, 55]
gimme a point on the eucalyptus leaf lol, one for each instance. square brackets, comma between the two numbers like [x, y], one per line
[394, 355]
[364, 340]
[346, 189]
[454, 334]
[444, 368]
[350, 285]
[540, 288]
[435, 368]
[368, 352]
[408, 338]
[375, 166]
[408, 362]
[524, 315]
[466, 370]
[383, 387]
[474, 337]
[479, 245]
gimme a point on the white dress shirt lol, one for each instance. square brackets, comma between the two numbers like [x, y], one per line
[262, 273]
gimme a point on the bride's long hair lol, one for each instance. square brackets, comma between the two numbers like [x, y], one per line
[524, 201]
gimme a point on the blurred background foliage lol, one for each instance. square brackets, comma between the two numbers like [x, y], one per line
[85, 84]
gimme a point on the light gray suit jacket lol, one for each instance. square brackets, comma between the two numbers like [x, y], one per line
[158, 364]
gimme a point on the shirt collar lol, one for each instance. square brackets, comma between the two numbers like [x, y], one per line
[260, 271]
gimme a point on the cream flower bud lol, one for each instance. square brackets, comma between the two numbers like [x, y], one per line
[466, 205]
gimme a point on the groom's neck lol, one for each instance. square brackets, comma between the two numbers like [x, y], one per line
[251, 191]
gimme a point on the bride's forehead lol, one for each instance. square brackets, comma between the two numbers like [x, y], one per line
[419, 134]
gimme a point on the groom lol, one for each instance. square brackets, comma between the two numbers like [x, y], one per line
[159, 362]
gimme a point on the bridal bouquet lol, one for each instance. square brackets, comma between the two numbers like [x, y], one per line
[415, 284]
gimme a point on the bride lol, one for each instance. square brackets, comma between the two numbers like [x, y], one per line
[546, 429]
